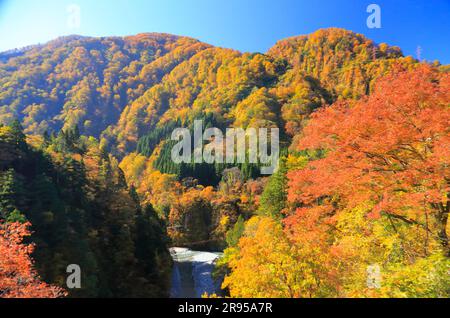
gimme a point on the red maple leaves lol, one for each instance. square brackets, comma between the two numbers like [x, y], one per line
[391, 148]
[18, 279]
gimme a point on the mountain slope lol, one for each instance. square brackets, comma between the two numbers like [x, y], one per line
[85, 81]
[123, 89]
[82, 212]
[327, 65]
[100, 99]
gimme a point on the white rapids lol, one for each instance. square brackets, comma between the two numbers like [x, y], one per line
[192, 273]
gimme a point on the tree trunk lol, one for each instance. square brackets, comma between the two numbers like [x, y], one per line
[442, 219]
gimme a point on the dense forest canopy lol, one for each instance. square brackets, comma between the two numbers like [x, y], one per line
[82, 212]
[85, 142]
[121, 89]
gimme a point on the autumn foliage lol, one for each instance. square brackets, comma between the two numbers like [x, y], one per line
[18, 279]
[390, 149]
[363, 181]
[376, 193]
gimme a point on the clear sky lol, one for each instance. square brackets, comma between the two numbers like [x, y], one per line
[246, 25]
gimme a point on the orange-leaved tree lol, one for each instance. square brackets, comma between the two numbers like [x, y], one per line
[18, 279]
[391, 149]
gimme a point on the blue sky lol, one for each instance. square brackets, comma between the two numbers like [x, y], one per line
[246, 25]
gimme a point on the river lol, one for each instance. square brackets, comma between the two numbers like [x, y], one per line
[192, 273]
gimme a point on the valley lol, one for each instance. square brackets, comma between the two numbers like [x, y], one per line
[88, 177]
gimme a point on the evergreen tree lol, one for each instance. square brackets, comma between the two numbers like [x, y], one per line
[11, 196]
[274, 197]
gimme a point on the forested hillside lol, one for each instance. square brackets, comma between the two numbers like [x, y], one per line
[363, 177]
[82, 212]
[366, 212]
[86, 81]
[124, 88]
